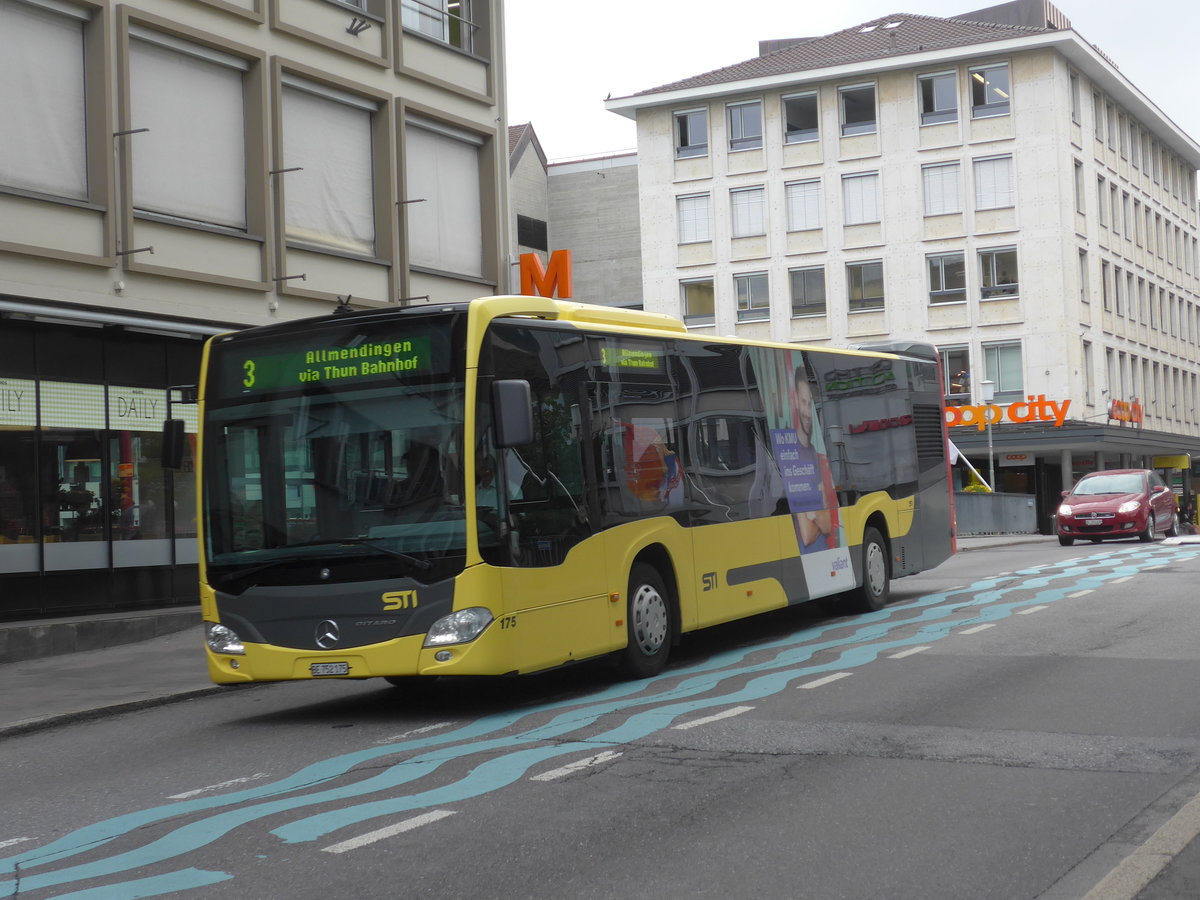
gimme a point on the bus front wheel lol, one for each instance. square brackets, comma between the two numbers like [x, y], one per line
[872, 595]
[647, 623]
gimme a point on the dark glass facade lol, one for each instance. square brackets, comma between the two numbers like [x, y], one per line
[89, 519]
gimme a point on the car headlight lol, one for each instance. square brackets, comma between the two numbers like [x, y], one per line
[458, 627]
[1131, 506]
[222, 639]
[1064, 510]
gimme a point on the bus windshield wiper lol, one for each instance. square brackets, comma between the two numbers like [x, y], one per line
[374, 545]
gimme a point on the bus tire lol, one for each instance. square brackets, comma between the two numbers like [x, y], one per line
[647, 624]
[872, 595]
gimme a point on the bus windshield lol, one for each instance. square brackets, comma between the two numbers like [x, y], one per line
[358, 473]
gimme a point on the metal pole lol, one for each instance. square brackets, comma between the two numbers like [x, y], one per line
[987, 393]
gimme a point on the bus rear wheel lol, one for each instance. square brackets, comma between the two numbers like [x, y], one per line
[647, 623]
[872, 595]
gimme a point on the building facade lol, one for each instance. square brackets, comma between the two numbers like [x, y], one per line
[171, 169]
[991, 183]
[588, 206]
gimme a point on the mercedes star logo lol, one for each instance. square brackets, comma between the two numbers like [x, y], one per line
[327, 634]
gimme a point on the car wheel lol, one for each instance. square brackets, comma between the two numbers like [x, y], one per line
[873, 594]
[1148, 534]
[1066, 541]
[647, 623]
[1173, 528]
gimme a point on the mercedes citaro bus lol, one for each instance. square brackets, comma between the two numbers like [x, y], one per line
[517, 483]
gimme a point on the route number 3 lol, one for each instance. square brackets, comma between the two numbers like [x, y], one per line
[248, 368]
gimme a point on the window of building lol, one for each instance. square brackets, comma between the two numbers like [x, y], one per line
[1102, 200]
[989, 90]
[1098, 116]
[808, 291]
[800, 118]
[857, 106]
[860, 195]
[1002, 365]
[753, 296]
[1105, 293]
[745, 125]
[994, 182]
[939, 97]
[803, 204]
[998, 273]
[532, 233]
[956, 374]
[1079, 203]
[941, 182]
[448, 21]
[1118, 302]
[1110, 124]
[442, 166]
[43, 144]
[947, 277]
[864, 284]
[203, 138]
[695, 219]
[1074, 93]
[1089, 372]
[699, 306]
[691, 133]
[1131, 299]
[1135, 144]
[1115, 207]
[1084, 286]
[749, 211]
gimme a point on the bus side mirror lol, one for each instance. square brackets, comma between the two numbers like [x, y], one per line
[512, 408]
[173, 438]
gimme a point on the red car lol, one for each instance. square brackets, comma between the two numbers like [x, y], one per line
[1118, 503]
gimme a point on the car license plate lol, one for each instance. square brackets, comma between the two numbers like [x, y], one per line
[1093, 521]
[337, 668]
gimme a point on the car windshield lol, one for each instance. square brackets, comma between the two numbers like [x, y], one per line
[1124, 483]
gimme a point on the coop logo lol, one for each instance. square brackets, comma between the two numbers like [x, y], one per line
[399, 600]
[709, 579]
[1032, 409]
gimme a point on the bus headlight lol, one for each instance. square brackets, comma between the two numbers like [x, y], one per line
[222, 639]
[458, 627]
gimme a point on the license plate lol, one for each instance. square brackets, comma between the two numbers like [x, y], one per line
[337, 668]
[1093, 521]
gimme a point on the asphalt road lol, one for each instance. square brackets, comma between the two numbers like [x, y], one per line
[1011, 726]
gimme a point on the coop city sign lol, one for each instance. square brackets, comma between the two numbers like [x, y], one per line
[1031, 409]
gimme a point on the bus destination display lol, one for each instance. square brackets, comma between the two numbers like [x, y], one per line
[330, 365]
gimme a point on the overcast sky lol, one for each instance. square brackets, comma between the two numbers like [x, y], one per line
[565, 56]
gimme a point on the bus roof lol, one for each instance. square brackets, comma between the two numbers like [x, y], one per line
[609, 317]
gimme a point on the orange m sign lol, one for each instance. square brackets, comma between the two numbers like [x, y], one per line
[545, 282]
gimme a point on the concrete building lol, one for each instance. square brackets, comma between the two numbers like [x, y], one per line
[170, 169]
[990, 182]
[588, 206]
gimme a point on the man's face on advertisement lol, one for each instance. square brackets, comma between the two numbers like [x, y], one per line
[804, 404]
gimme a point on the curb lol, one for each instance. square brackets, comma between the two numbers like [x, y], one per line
[21, 641]
[31, 726]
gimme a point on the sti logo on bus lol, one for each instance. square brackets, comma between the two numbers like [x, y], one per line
[399, 600]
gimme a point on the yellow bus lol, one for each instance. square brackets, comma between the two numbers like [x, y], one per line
[517, 483]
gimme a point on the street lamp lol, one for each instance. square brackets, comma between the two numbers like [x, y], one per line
[987, 393]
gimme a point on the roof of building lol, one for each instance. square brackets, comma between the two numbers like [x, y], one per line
[897, 34]
[520, 137]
